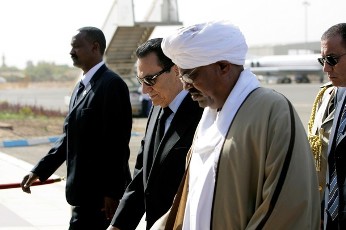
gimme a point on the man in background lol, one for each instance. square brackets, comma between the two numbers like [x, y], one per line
[333, 60]
[95, 140]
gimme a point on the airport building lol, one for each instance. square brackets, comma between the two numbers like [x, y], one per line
[285, 49]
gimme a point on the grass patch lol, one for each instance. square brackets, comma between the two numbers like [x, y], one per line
[16, 111]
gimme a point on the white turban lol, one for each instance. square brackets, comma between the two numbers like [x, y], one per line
[204, 44]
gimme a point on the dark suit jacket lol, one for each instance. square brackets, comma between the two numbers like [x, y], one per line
[95, 142]
[153, 188]
[339, 149]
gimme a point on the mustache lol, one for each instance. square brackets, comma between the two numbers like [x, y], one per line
[193, 91]
[74, 56]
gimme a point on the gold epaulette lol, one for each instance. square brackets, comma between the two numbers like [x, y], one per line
[315, 140]
[327, 85]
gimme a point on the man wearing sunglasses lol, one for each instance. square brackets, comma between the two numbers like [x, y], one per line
[333, 60]
[160, 163]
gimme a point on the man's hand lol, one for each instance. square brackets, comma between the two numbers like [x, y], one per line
[27, 182]
[110, 205]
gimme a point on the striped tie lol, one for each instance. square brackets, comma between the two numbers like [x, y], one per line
[333, 202]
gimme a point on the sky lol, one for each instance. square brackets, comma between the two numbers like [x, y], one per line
[41, 30]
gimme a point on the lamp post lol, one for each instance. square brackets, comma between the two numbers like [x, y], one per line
[306, 4]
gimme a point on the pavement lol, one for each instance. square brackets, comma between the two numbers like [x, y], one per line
[44, 209]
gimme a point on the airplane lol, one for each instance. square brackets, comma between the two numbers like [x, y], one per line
[284, 68]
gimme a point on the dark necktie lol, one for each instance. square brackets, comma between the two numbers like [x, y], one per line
[80, 90]
[331, 105]
[333, 201]
[160, 129]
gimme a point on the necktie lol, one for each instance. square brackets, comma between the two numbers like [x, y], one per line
[331, 105]
[80, 90]
[160, 130]
[333, 201]
[342, 124]
[166, 112]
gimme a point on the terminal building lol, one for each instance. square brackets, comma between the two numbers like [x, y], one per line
[286, 49]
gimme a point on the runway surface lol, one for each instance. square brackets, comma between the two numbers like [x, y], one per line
[301, 95]
[46, 207]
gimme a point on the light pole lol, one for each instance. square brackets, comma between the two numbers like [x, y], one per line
[306, 4]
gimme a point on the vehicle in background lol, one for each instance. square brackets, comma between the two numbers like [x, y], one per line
[274, 79]
[141, 104]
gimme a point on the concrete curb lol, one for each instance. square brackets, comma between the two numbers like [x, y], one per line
[36, 141]
[29, 142]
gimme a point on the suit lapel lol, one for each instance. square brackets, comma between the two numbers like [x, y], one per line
[337, 115]
[176, 130]
[150, 134]
[73, 98]
[88, 87]
[84, 93]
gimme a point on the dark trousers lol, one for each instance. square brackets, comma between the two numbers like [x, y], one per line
[88, 218]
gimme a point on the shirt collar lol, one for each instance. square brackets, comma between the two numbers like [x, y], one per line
[174, 105]
[88, 75]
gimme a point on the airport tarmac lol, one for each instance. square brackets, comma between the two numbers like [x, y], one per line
[46, 207]
[301, 96]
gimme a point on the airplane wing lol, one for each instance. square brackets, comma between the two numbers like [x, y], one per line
[287, 69]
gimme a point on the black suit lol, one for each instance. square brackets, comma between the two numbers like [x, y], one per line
[95, 143]
[154, 185]
[338, 149]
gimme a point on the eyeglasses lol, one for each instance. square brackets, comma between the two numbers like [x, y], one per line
[331, 60]
[150, 80]
[186, 77]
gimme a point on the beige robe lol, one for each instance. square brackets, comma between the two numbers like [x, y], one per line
[251, 163]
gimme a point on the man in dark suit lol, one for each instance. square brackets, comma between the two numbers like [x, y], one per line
[95, 140]
[159, 167]
[333, 60]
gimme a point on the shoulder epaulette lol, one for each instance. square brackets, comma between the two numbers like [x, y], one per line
[327, 85]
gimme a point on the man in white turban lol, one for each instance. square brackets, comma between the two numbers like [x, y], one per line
[251, 165]
[206, 43]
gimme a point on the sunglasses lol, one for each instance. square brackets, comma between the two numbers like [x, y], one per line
[331, 60]
[150, 80]
[186, 77]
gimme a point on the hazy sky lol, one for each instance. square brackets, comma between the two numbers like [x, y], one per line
[41, 30]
